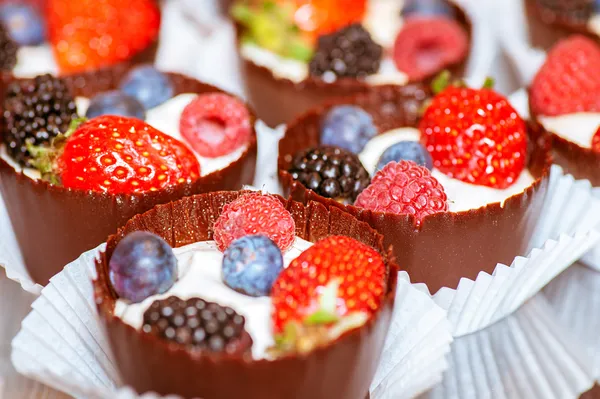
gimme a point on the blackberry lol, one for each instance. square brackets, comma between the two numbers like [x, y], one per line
[331, 172]
[35, 111]
[349, 52]
[8, 50]
[198, 325]
[575, 11]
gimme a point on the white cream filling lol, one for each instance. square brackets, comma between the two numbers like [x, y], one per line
[594, 24]
[35, 60]
[578, 128]
[383, 20]
[462, 196]
[200, 276]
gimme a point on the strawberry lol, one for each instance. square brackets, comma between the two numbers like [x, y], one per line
[476, 136]
[568, 82]
[596, 141]
[335, 285]
[116, 155]
[89, 34]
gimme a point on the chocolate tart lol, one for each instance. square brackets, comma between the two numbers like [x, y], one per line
[54, 225]
[279, 100]
[343, 369]
[446, 246]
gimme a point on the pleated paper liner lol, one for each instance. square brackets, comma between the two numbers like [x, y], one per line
[575, 298]
[62, 343]
[527, 355]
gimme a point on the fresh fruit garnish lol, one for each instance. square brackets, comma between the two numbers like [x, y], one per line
[321, 17]
[8, 50]
[198, 325]
[254, 213]
[418, 8]
[89, 34]
[251, 264]
[406, 151]
[150, 86]
[215, 124]
[337, 282]
[596, 141]
[116, 155]
[35, 111]
[476, 136]
[349, 52]
[404, 188]
[115, 102]
[142, 265]
[24, 23]
[331, 172]
[426, 45]
[347, 127]
[568, 82]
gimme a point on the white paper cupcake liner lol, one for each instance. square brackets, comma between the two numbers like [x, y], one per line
[527, 355]
[61, 342]
[575, 298]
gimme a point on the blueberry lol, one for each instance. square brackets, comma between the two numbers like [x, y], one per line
[150, 86]
[347, 127]
[142, 265]
[24, 23]
[427, 8]
[408, 151]
[251, 265]
[115, 103]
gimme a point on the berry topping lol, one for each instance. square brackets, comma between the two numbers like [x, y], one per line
[406, 151]
[347, 127]
[569, 81]
[404, 188]
[427, 8]
[23, 23]
[35, 111]
[150, 86]
[476, 136]
[142, 265]
[117, 155]
[215, 124]
[198, 325]
[254, 213]
[251, 264]
[573, 11]
[596, 141]
[115, 103]
[319, 17]
[349, 52]
[8, 51]
[331, 172]
[89, 34]
[329, 284]
[426, 45]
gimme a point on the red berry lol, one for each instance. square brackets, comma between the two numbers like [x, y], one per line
[596, 141]
[320, 17]
[255, 213]
[121, 155]
[215, 124]
[358, 269]
[475, 136]
[426, 45]
[569, 81]
[404, 188]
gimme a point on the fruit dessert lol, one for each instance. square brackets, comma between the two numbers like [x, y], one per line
[62, 37]
[249, 285]
[552, 20]
[86, 152]
[297, 53]
[564, 99]
[444, 178]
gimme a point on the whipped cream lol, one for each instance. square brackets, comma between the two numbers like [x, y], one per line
[594, 24]
[383, 20]
[199, 275]
[35, 60]
[578, 128]
[462, 196]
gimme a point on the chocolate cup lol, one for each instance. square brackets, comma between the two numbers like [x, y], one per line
[278, 100]
[343, 369]
[54, 225]
[446, 246]
[578, 161]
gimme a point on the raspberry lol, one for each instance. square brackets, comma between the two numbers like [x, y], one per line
[596, 141]
[252, 214]
[215, 124]
[404, 188]
[427, 45]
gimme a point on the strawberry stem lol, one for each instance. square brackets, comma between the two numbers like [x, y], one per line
[441, 82]
[489, 83]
